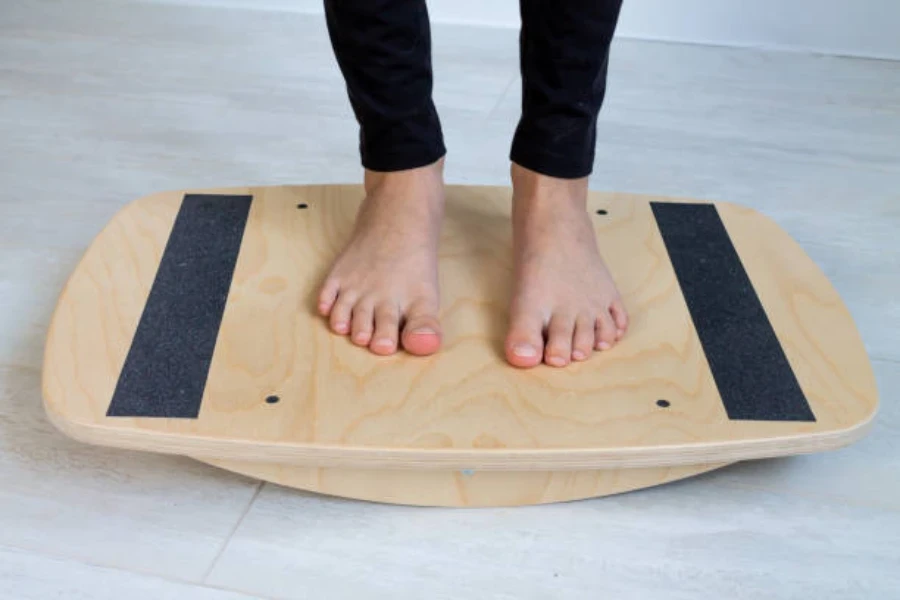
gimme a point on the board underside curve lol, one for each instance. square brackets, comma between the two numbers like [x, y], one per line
[189, 327]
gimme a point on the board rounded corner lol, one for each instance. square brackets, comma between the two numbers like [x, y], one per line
[72, 428]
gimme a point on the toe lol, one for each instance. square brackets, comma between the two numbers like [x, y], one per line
[387, 326]
[583, 340]
[620, 318]
[327, 296]
[341, 313]
[422, 332]
[525, 342]
[362, 325]
[604, 331]
[559, 341]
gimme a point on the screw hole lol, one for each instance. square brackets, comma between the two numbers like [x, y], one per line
[601, 211]
[663, 403]
[272, 399]
[303, 205]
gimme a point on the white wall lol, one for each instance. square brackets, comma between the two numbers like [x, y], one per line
[848, 27]
[868, 28]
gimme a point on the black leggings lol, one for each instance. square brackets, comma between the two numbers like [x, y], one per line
[383, 48]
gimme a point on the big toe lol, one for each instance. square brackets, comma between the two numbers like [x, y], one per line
[525, 342]
[422, 334]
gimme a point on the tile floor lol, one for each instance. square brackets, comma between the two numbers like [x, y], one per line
[102, 102]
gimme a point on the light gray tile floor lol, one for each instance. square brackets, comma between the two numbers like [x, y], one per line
[102, 102]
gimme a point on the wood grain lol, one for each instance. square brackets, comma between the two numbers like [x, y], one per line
[463, 408]
[467, 488]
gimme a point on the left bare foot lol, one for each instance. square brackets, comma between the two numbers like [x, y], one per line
[564, 293]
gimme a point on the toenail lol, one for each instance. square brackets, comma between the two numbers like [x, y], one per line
[361, 337]
[384, 343]
[578, 355]
[603, 346]
[423, 331]
[342, 327]
[524, 350]
[556, 361]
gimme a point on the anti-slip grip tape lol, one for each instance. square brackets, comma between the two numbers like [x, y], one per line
[168, 362]
[752, 373]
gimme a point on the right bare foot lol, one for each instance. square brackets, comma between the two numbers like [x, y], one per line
[386, 277]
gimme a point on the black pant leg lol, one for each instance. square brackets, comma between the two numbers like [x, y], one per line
[564, 53]
[383, 49]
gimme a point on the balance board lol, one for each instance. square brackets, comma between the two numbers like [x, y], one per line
[189, 327]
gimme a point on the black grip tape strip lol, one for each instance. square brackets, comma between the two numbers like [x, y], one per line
[168, 362]
[752, 373]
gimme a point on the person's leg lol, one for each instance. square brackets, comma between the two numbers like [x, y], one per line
[565, 303]
[385, 280]
[383, 49]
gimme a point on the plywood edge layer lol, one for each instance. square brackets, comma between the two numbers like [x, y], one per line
[469, 488]
[319, 455]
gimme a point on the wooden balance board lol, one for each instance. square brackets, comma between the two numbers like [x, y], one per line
[189, 327]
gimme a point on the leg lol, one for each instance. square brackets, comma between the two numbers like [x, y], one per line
[564, 292]
[383, 49]
[385, 280]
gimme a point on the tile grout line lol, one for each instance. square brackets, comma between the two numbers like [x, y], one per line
[125, 570]
[831, 498]
[221, 551]
[884, 359]
[492, 112]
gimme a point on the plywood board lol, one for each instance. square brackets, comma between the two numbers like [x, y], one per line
[464, 408]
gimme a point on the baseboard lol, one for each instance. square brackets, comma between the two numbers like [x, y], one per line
[865, 28]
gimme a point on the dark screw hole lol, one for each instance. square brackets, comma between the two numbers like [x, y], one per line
[663, 403]
[602, 211]
[303, 205]
[272, 399]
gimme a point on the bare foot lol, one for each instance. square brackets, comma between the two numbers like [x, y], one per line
[386, 280]
[564, 293]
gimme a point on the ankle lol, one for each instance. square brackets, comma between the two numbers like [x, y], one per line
[428, 176]
[535, 192]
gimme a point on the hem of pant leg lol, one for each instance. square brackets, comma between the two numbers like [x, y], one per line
[552, 166]
[403, 162]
